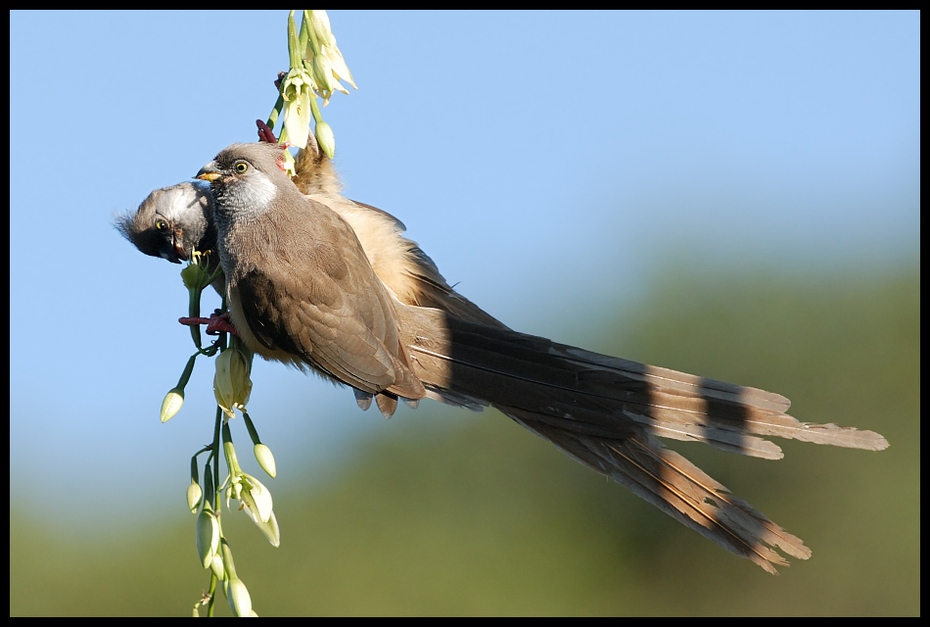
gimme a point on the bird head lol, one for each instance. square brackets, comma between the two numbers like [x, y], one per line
[247, 177]
[171, 222]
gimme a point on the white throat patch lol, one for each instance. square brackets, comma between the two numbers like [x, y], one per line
[257, 193]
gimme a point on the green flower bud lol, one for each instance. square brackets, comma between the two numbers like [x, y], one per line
[208, 537]
[265, 459]
[325, 138]
[194, 496]
[238, 596]
[195, 275]
[172, 404]
[290, 166]
[231, 383]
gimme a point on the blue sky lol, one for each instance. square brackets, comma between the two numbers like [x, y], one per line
[541, 159]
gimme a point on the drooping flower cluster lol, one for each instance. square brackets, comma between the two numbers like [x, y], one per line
[317, 71]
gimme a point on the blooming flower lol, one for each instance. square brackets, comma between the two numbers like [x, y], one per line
[297, 91]
[256, 502]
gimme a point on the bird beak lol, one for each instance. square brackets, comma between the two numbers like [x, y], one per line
[179, 252]
[209, 172]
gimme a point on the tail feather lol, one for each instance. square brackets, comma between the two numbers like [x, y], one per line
[605, 412]
[680, 489]
[605, 396]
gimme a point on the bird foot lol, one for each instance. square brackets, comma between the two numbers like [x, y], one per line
[217, 323]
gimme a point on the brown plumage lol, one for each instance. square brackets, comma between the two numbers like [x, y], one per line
[320, 281]
[398, 262]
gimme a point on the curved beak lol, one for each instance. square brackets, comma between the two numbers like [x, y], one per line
[179, 252]
[209, 172]
[174, 252]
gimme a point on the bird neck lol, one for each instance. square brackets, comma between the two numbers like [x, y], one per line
[240, 202]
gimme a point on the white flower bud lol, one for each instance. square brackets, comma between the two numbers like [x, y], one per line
[325, 138]
[231, 383]
[217, 567]
[319, 23]
[174, 399]
[194, 496]
[238, 596]
[208, 537]
[265, 459]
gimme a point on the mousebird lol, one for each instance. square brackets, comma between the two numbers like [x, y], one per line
[320, 282]
[173, 221]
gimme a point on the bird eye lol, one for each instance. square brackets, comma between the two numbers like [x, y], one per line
[241, 167]
[161, 226]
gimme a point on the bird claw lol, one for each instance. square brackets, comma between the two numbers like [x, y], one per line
[217, 323]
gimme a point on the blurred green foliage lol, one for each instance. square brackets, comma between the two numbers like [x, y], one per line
[460, 513]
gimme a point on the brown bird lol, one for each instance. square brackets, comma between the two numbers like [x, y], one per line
[322, 282]
[173, 221]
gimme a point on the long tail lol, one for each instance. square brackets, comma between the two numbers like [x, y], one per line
[605, 412]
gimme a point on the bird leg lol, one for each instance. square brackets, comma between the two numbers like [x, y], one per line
[217, 323]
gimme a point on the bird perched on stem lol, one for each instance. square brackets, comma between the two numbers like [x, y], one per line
[320, 282]
[173, 221]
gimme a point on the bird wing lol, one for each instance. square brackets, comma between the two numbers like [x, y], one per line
[398, 261]
[319, 303]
